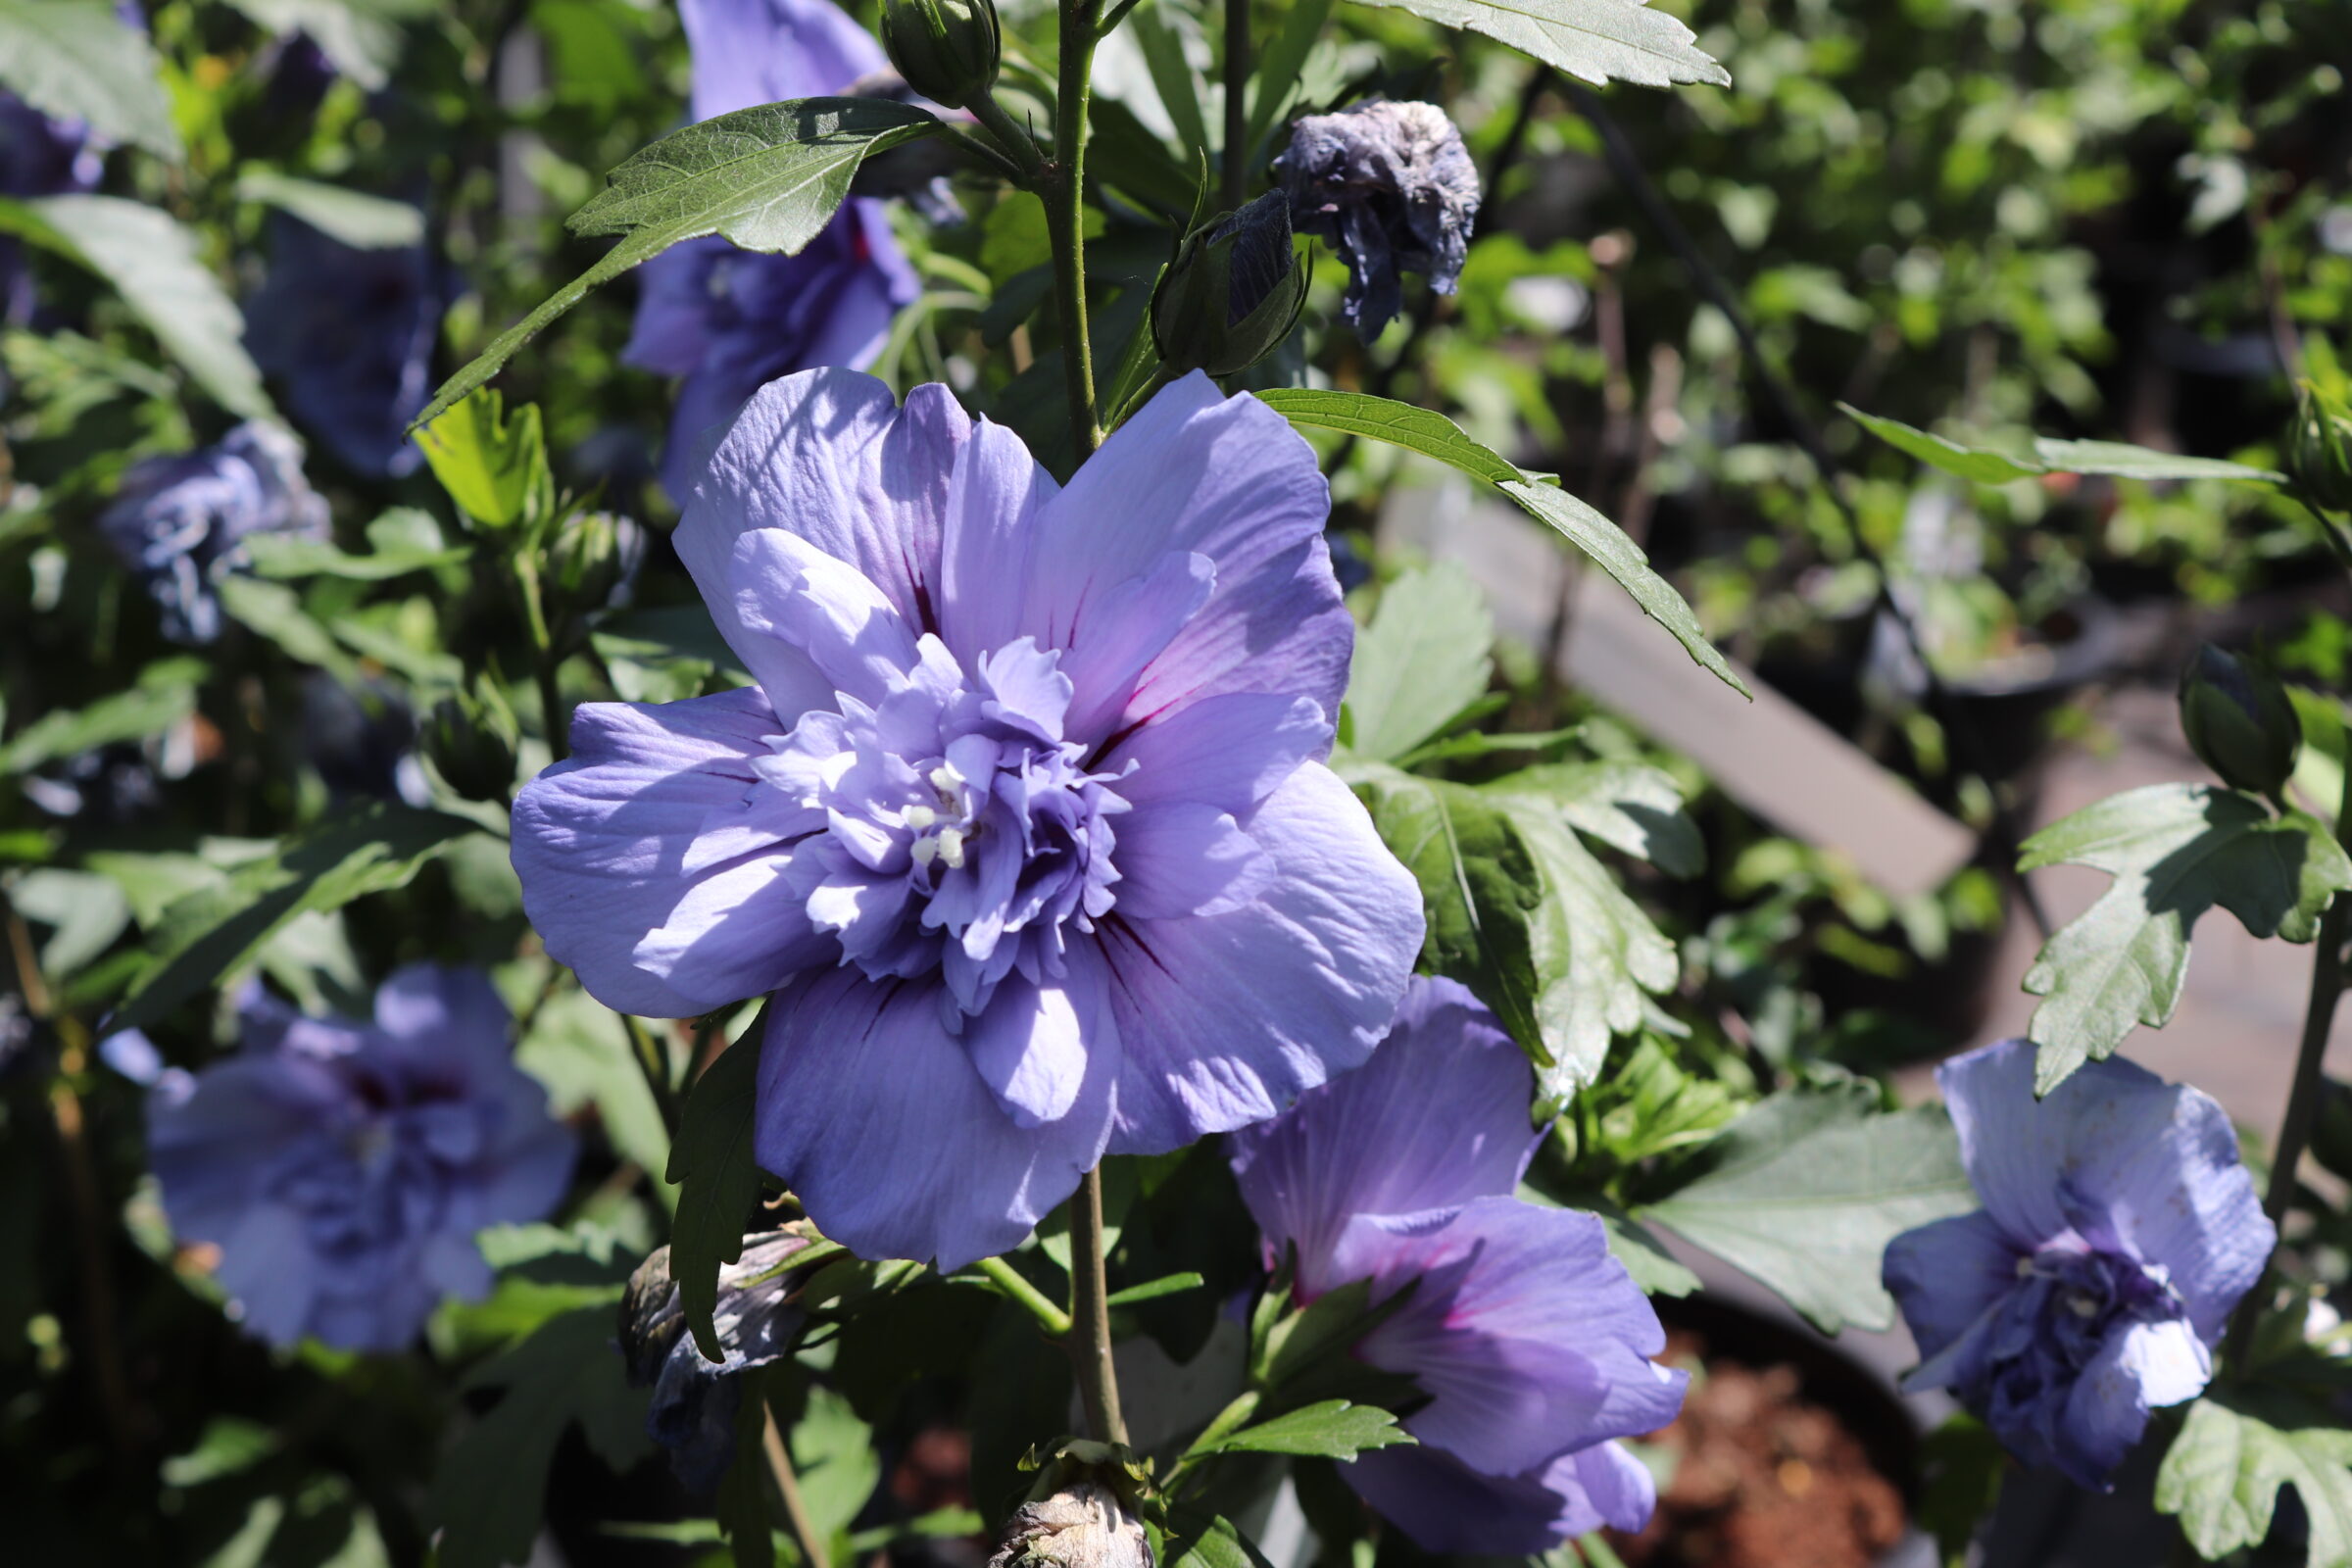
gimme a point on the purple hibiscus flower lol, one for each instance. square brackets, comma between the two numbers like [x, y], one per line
[38, 156]
[730, 321]
[350, 333]
[1390, 186]
[181, 522]
[343, 1167]
[1532, 1342]
[2119, 1230]
[1025, 822]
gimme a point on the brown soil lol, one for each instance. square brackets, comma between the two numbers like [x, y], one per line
[1764, 1478]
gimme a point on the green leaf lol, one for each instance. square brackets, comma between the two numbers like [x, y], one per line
[1599, 40]
[1285, 58]
[403, 540]
[152, 262]
[373, 848]
[717, 1178]
[1432, 435]
[1631, 807]
[2175, 852]
[1333, 1429]
[1153, 1290]
[166, 694]
[1198, 1539]
[834, 1452]
[1991, 466]
[494, 468]
[2223, 1473]
[741, 1507]
[1979, 464]
[354, 218]
[75, 60]
[362, 37]
[664, 654]
[1422, 659]
[579, 1050]
[274, 612]
[85, 909]
[1172, 73]
[488, 1489]
[1655, 1269]
[1806, 1189]
[1480, 887]
[768, 178]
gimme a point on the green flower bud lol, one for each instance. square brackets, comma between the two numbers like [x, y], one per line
[1233, 293]
[2319, 453]
[591, 564]
[946, 49]
[471, 739]
[2239, 720]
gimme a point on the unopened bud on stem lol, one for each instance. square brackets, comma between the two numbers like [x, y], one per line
[2239, 720]
[946, 49]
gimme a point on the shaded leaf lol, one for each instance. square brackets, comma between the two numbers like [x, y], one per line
[1599, 40]
[1991, 466]
[2223, 1473]
[403, 540]
[152, 262]
[1333, 1429]
[1198, 1539]
[1978, 465]
[717, 1178]
[77, 60]
[768, 178]
[361, 37]
[1422, 659]
[165, 693]
[2175, 852]
[1806, 1189]
[354, 218]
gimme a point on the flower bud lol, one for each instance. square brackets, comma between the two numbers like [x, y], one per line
[471, 739]
[2319, 454]
[1233, 292]
[594, 559]
[946, 49]
[2239, 720]
[1082, 1513]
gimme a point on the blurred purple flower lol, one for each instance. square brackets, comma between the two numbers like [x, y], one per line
[182, 522]
[1530, 1342]
[730, 321]
[350, 335]
[343, 1167]
[1025, 821]
[2118, 1231]
[38, 156]
[1392, 186]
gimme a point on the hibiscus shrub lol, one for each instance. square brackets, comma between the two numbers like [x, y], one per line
[721, 853]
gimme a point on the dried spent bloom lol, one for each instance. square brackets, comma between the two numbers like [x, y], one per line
[350, 333]
[182, 522]
[1392, 186]
[1532, 1342]
[1084, 1525]
[730, 321]
[692, 1415]
[2119, 1230]
[342, 1167]
[1025, 821]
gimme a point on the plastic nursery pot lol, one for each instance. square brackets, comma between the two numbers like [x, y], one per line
[2008, 700]
[1787, 1454]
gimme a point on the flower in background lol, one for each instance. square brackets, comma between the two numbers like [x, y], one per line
[38, 156]
[350, 335]
[364, 742]
[1024, 821]
[343, 1167]
[1392, 186]
[1532, 1342]
[2119, 1230]
[730, 321]
[182, 522]
[692, 1414]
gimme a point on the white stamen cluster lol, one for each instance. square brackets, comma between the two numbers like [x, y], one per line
[933, 842]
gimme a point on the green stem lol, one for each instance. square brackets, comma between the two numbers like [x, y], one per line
[1064, 195]
[788, 1488]
[1053, 1319]
[653, 1060]
[544, 661]
[1014, 138]
[2303, 1099]
[1090, 1314]
[1236, 105]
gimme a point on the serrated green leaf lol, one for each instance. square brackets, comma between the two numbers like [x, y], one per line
[1599, 40]
[494, 466]
[2175, 852]
[1330, 1429]
[152, 262]
[1480, 887]
[1198, 1539]
[1805, 1190]
[75, 60]
[1432, 435]
[354, 218]
[1655, 1269]
[488, 1489]
[214, 930]
[1631, 807]
[165, 694]
[1423, 659]
[2223, 1473]
[717, 1178]
[1978, 465]
[767, 178]
[361, 37]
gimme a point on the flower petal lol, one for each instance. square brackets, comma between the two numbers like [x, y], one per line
[751, 52]
[1232, 751]
[1946, 1274]
[2142, 1367]
[794, 594]
[1446, 1506]
[1224, 1019]
[987, 540]
[1438, 1116]
[1033, 1044]
[601, 840]
[875, 1118]
[1186, 858]
[2012, 1146]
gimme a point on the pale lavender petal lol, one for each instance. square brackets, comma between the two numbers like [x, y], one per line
[1184, 858]
[1947, 1274]
[671, 334]
[1225, 1020]
[736, 930]
[1438, 1116]
[751, 52]
[2015, 1147]
[1446, 1506]
[795, 594]
[600, 841]
[2142, 1367]
[1033, 1045]
[1230, 751]
[990, 531]
[874, 1116]
[1135, 623]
